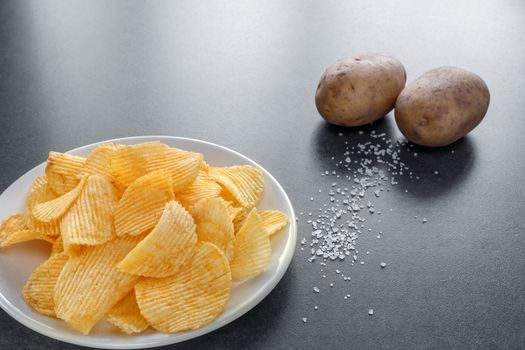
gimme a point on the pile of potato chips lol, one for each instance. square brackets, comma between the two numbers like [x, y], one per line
[142, 235]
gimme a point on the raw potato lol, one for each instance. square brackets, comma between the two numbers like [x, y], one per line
[359, 90]
[441, 106]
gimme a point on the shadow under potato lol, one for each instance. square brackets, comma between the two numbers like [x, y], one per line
[453, 163]
[440, 170]
[328, 143]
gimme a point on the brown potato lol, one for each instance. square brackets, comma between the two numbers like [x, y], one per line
[359, 90]
[441, 106]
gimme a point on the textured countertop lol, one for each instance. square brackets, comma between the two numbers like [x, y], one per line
[243, 75]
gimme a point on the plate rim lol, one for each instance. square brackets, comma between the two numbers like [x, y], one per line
[81, 340]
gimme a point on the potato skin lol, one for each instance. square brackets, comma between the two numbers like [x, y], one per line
[441, 106]
[359, 90]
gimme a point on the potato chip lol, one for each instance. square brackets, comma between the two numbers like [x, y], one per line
[234, 211]
[238, 220]
[39, 192]
[90, 219]
[142, 203]
[15, 230]
[50, 229]
[39, 289]
[205, 166]
[58, 246]
[14, 223]
[22, 236]
[62, 170]
[99, 160]
[126, 315]
[90, 283]
[191, 298]
[273, 221]
[202, 187]
[133, 162]
[244, 183]
[252, 248]
[166, 248]
[214, 224]
[56, 208]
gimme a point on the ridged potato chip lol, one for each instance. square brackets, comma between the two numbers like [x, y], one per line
[252, 248]
[191, 298]
[39, 289]
[244, 182]
[132, 162]
[49, 229]
[14, 223]
[142, 203]
[58, 246]
[99, 160]
[203, 187]
[238, 220]
[22, 236]
[90, 219]
[205, 166]
[214, 224]
[166, 248]
[15, 230]
[273, 221]
[90, 284]
[56, 208]
[126, 315]
[39, 192]
[62, 170]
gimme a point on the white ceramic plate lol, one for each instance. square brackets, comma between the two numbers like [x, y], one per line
[17, 262]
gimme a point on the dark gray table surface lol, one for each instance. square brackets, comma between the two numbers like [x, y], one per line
[243, 75]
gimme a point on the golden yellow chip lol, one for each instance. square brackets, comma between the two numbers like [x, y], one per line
[15, 230]
[142, 203]
[22, 236]
[234, 211]
[191, 298]
[39, 289]
[56, 208]
[133, 162]
[238, 220]
[126, 315]
[14, 223]
[244, 183]
[214, 224]
[166, 248]
[205, 166]
[90, 283]
[90, 219]
[252, 248]
[50, 229]
[273, 221]
[40, 192]
[99, 160]
[203, 187]
[210, 232]
[62, 170]
[58, 246]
